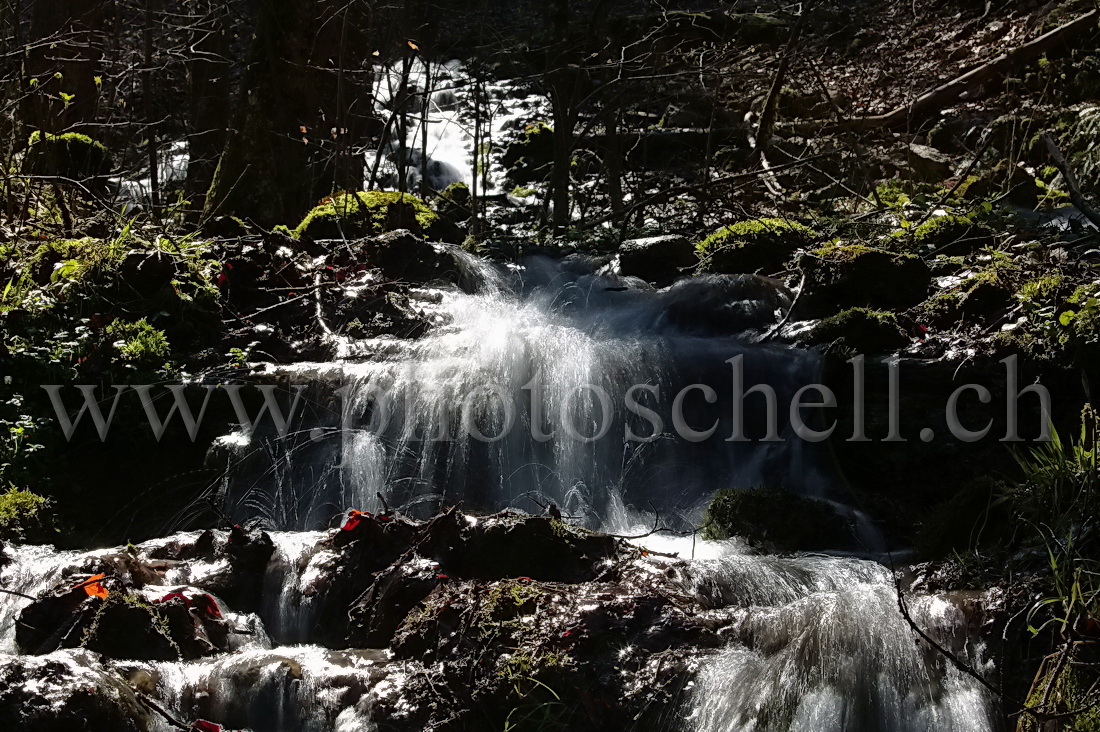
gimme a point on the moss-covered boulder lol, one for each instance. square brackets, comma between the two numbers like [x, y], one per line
[528, 159]
[71, 155]
[853, 275]
[862, 330]
[363, 213]
[776, 519]
[948, 234]
[749, 246]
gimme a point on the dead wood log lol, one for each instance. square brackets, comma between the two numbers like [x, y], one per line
[946, 94]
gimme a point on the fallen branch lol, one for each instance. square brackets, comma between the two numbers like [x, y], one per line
[1075, 194]
[779, 326]
[946, 94]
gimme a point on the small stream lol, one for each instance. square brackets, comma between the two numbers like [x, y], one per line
[813, 643]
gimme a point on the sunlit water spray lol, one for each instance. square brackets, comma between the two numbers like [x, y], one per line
[814, 642]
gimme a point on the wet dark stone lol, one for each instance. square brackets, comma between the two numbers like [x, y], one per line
[724, 304]
[656, 259]
[538, 547]
[146, 273]
[67, 691]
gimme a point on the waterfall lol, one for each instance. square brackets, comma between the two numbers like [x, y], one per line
[818, 645]
[496, 406]
[811, 642]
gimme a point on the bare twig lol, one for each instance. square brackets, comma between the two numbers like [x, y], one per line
[1075, 194]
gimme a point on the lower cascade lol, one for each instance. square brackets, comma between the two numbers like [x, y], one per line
[605, 612]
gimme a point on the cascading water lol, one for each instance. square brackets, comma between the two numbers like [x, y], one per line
[811, 642]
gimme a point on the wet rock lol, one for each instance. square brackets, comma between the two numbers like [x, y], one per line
[751, 246]
[860, 330]
[522, 644]
[160, 624]
[366, 545]
[656, 259]
[839, 277]
[396, 590]
[55, 621]
[777, 520]
[248, 553]
[66, 691]
[146, 273]
[404, 256]
[723, 304]
[539, 547]
[387, 566]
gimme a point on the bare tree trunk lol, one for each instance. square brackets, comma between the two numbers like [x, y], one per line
[425, 111]
[210, 99]
[280, 157]
[150, 120]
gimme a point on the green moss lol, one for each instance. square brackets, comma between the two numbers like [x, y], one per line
[950, 234]
[72, 259]
[139, 341]
[896, 193]
[865, 330]
[364, 213]
[748, 246]
[20, 512]
[774, 517]
[1042, 288]
[1071, 691]
[521, 192]
[70, 155]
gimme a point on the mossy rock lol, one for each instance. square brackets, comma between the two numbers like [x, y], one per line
[853, 275]
[454, 202]
[748, 246]
[948, 234]
[527, 159]
[1071, 694]
[776, 519]
[1021, 188]
[363, 213]
[861, 329]
[71, 155]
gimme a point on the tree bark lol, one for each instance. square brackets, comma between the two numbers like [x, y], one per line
[281, 155]
[210, 99]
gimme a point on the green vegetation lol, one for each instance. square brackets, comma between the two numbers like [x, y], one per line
[70, 155]
[138, 341]
[861, 329]
[359, 214]
[748, 246]
[21, 514]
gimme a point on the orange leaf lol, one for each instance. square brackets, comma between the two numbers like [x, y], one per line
[93, 588]
[413, 46]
